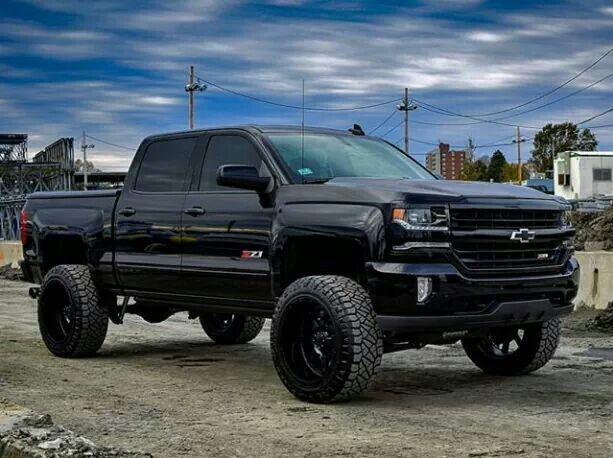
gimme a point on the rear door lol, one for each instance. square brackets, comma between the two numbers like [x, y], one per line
[226, 231]
[148, 221]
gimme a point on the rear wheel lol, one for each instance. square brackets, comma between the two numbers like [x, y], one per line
[71, 316]
[325, 340]
[225, 328]
[515, 350]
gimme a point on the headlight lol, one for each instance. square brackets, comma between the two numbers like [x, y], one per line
[422, 218]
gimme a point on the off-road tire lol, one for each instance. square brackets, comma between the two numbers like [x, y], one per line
[241, 330]
[541, 342]
[89, 318]
[359, 348]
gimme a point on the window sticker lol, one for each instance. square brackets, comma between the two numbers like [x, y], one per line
[305, 171]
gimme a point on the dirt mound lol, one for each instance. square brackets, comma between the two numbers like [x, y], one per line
[594, 230]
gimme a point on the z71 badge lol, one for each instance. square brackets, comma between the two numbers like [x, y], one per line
[246, 254]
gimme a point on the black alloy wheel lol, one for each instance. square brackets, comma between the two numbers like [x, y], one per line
[226, 328]
[58, 315]
[325, 341]
[514, 350]
[72, 318]
[309, 340]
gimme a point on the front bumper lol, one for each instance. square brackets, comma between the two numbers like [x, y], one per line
[458, 302]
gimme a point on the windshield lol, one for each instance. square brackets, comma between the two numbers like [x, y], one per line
[329, 156]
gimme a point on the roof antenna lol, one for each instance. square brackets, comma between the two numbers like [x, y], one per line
[356, 130]
[302, 153]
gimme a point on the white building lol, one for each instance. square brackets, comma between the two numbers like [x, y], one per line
[583, 174]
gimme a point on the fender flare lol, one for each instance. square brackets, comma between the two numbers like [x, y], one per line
[362, 225]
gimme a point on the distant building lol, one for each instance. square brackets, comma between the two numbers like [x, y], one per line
[583, 174]
[446, 162]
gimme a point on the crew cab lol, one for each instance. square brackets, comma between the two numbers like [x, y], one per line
[351, 247]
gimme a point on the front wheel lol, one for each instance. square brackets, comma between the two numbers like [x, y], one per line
[225, 328]
[515, 350]
[325, 340]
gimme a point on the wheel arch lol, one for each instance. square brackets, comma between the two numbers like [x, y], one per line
[325, 239]
[57, 243]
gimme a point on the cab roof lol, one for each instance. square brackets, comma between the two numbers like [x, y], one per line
[257, 129]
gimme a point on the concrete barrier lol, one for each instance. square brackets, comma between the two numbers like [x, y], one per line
[10, 253]
[596, 286]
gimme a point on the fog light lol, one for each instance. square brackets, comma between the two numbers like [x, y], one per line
[424, 288]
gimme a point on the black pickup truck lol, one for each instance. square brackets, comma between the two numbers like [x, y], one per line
[349, 245]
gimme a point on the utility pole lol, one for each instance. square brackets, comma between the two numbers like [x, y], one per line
[518, 141]
[84, 148]
[190, 87]
[406, 106]
[191, 97]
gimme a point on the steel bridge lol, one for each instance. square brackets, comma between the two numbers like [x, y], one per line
[52, 169]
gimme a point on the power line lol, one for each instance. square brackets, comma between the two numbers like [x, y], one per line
[383, 122]
[557, 88]
[493, 142]
[393, 129]
[558, 99]
[295, 107]
[444, 111]
[110, 144]
[595, 116]
[598, 127]
[423, 142]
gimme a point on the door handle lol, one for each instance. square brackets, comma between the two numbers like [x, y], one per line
[128, 211]
[194, 211]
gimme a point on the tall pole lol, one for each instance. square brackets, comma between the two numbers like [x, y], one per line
[406, 107]
[84, 147]
[191, 97]
[518, 141]
[190, 87]
[406, 120]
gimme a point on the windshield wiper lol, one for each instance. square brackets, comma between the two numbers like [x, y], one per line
[315, 180]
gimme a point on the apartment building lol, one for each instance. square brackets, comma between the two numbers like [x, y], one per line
[446, 162]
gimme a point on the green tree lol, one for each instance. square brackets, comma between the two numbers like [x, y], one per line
[496, 169]
[474, 171]
[555, 138]
[78, 165]
[510, 172]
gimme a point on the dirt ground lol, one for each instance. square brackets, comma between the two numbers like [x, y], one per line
[166, 389]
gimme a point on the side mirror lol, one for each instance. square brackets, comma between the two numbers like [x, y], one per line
[242, 177]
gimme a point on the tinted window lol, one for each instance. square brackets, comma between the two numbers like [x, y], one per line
[164, 165]
[227, 149]
[325, 156]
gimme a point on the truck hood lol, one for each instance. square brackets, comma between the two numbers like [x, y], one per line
[442, 190]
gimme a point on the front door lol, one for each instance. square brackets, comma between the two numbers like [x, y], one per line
[148, 221]
[226, 232]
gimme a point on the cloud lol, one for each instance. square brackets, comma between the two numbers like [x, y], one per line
[123, 75]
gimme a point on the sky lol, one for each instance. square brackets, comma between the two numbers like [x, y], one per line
[117, 69]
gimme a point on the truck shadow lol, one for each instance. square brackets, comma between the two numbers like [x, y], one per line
[402, 382]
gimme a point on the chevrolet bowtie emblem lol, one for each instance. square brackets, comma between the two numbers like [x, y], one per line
[523, 235]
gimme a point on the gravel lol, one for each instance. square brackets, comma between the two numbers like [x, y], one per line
[25, 434]
[166, 389]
